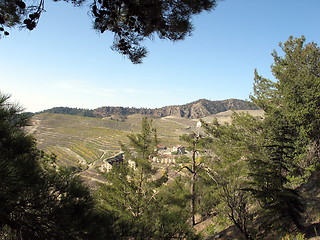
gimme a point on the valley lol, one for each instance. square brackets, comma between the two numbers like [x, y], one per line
[82, 143]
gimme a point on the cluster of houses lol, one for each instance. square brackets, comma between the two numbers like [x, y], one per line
[168, 155]
[165, 156]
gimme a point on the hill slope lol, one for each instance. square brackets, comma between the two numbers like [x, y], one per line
[193, 110]
[82, 143]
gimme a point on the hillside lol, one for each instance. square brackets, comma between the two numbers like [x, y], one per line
[198, 109]
[83, 142]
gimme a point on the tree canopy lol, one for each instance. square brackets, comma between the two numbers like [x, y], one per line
[145, 206]
[131, 21]
[38, 199]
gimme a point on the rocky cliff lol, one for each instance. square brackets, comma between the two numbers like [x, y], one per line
[197, 109]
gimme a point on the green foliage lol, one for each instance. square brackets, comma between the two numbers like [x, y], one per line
[270, 169]
[265, 92]
[194, 165]
[144, 144]
[131, 22]
[298, 236]
[144, 207]
[231, 145]
[71, 111]
[291, 128]
[265, 155]
[173, 221]
[230, 142]
[38, 201]
[296, 94]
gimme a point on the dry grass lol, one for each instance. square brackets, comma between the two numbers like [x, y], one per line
[80, 142]
[226, 117]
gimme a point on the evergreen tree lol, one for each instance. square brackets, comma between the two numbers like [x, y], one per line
[194, 165]
[291, 127]
[231, 145]
[296, 91]
[270, 171]
[172, 221]
[131, 22]
[37, 200]
[137, 197]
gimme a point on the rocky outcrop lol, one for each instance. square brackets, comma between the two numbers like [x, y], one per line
[197, 109]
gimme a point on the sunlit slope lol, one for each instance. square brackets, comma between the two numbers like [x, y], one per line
[225, 117]
[77, 139]
[83, 142]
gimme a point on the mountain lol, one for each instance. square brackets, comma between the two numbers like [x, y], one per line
[197, 109]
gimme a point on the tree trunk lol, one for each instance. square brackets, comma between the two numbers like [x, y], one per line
[193, 188]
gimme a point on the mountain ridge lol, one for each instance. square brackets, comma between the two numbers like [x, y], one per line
[196, 109]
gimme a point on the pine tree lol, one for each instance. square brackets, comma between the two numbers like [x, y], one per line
[37, 200]
[296, 91]
[270, 171]
[131, 22]
[194, 166]
[142, 204]
[291, 128]
[231, 145]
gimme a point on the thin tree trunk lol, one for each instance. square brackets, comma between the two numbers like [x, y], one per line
[193, 188]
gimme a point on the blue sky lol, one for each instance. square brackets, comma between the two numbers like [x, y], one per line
[63, 62]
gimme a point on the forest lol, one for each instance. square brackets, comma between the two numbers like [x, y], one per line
[248, 174]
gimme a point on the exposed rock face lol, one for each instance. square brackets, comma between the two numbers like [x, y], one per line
[197, 109]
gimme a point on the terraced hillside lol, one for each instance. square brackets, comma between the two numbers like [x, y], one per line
[83, 142]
